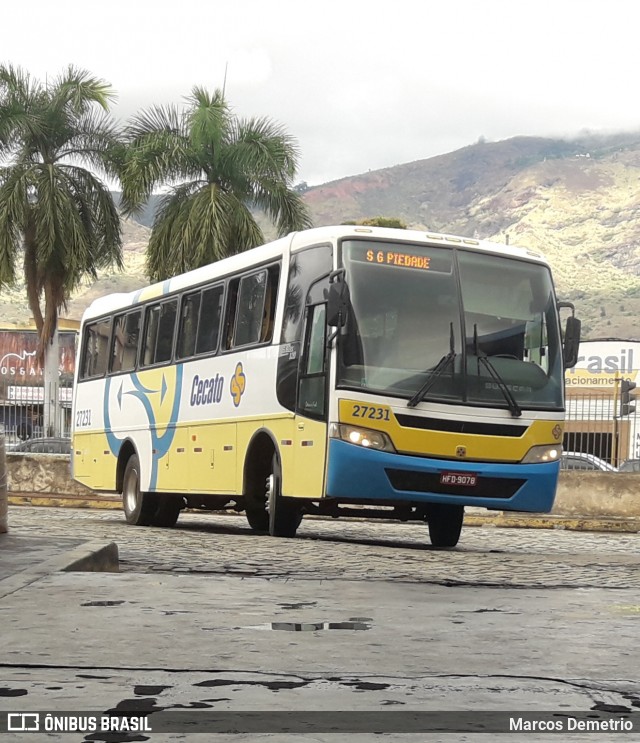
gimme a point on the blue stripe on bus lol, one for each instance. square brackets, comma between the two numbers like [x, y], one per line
[357, 473]
[159, 443]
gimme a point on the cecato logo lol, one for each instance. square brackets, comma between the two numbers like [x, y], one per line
[238, 384]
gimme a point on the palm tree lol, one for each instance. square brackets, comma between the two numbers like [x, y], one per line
[217, 169]
[55, 214]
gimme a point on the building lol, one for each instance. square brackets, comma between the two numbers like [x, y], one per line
[601, 416]
[22, 378]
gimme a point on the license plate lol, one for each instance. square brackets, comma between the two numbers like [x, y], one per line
[463, 479]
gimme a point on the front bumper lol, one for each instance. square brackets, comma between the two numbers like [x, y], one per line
[356, 473]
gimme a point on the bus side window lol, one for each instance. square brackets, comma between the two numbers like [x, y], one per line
[188, 330]
[317, 340]
[232, 308]
[150, 335]
[250, 309]
[159, 332]
[164, 345]
[209, 323]
[125, 342]
[305, 268]
[313, 383]
[95, 351]
[269, 313]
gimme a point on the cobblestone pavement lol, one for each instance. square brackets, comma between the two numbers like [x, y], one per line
[196, 621]
[206, 543]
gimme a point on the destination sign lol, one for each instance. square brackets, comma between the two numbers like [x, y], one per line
[393, 258]
[425, 258]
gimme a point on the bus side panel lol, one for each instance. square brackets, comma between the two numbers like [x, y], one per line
[306, 479]
[212, 459]
[174, 468]
[93, 463]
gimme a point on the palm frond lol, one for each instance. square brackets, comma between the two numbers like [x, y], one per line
[208, 122]
[167, 119]
[60, 212]
[284, 206]
[218, 168]
[157, 151]
[21, 120]
[267, 149]
[78, 90]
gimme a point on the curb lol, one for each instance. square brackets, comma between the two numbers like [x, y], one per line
[568, 523]
[63, 500]
[88, 557]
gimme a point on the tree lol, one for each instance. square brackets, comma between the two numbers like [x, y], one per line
[55, 214]
[393, 222]
[217, 169]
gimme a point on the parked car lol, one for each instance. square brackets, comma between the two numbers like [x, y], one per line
[47, 445]
[630, 465]
[580, 460]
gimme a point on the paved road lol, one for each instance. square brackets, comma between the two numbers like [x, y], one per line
[349, 616]
[205, 543]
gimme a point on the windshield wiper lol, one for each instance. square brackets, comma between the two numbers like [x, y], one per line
[435, 373]
[483, 359]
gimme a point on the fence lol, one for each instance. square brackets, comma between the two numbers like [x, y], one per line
[596, 427]
[22, 417]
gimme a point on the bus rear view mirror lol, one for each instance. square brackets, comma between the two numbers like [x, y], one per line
[571, 345]
[338, 300]
[571, 341]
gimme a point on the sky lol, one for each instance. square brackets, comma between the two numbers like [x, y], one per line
[360, 85]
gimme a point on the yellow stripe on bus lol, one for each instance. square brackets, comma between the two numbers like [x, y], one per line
[447, 444]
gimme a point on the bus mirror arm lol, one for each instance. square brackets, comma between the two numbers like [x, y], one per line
[571, 341]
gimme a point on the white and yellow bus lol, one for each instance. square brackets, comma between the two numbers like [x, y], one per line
[341, 371]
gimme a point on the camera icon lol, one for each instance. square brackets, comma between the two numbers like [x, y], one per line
[23, 722]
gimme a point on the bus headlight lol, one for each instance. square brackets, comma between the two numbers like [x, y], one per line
[361, 436]
[545, 453]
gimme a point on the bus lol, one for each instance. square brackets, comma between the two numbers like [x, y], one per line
[338, 371]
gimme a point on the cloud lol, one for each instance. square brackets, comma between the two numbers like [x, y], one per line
[359, 88]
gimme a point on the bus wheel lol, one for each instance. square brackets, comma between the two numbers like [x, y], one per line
[167, 511]
[285, 514]
[256, 494]
[445, 524]
[138, 507]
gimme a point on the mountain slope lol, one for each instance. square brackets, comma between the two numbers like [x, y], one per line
[574, 201]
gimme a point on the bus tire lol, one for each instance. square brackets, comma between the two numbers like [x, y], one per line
[258, 519]
[167, 511]
[445, 524]
[285, 514]
[258, 467]
[139, 507]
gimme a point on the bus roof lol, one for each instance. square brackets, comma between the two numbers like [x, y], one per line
[297, 241]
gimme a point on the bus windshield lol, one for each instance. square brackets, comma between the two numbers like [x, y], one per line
[450, 325]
